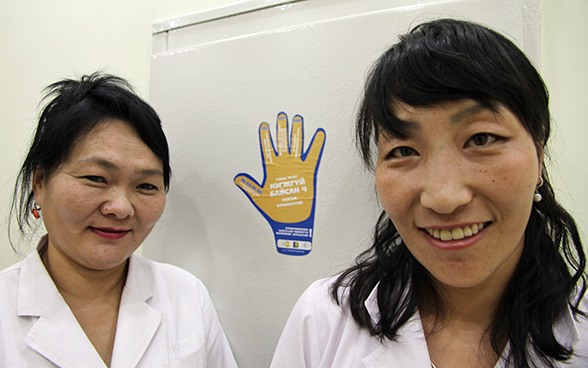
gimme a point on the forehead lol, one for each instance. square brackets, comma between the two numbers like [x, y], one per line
[113, 139]
[455, 111]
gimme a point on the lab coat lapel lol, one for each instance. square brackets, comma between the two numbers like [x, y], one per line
[59, 338]
[566, 330]
[410, 350]
[56, 335]
[137, 321]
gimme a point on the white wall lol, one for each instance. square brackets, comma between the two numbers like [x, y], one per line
[45, 41]
[564, 39]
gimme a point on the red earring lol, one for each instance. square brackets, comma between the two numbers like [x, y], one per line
[35, 211]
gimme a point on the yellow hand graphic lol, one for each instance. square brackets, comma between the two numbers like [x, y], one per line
[287, 192]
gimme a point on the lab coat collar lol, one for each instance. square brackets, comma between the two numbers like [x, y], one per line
[139, 280]
[36, 289]
[58, 336]
[371, 304]
[137, 321]
[409, 350]
[412, 346]
[566, 331]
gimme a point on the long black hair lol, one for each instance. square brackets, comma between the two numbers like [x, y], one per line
[73, 109]
[447, 60]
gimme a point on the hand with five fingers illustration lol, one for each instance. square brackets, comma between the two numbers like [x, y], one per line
[287, 193]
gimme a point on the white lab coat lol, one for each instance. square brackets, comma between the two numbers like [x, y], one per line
[320, 334]
[166, 319]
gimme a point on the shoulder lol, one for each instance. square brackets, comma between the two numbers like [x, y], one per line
[320, 332]
[190, 323]
[164, 271]
[167, 283]
[9, 282]
[581, 321]
[579, 341]
[584, 304]
[317, 298]
[12, 270]
[30, 266]
[9, 277]
[317, 314]
[316, 307]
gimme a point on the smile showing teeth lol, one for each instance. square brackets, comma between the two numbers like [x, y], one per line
[457, 233]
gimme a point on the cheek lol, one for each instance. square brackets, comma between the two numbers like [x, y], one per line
[509, 193]
[152, 209]
[66, 210]
[71, 202]
[515, 180]
[393, 194]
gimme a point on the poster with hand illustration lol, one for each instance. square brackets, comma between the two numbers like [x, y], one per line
[286, 196]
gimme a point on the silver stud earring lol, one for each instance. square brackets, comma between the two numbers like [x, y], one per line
[538, 197]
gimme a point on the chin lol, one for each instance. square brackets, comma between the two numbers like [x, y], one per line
[460, 280]
[107, 263]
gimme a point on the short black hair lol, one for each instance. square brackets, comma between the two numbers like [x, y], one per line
[73, 109]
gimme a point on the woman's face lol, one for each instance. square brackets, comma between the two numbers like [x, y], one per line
[101, 204]
[460, 189]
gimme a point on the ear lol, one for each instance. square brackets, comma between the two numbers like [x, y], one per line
[540, 158]
[39, 181]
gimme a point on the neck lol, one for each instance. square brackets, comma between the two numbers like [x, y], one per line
[457, 327]
[468, 305]
[76, 282]
[476, 304]
[462, 317]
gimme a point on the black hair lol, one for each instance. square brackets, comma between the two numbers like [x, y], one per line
[73, 109]
[448, 60]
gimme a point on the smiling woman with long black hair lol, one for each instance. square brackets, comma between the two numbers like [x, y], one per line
[473, 263]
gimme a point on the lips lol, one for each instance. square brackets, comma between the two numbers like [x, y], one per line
[109, 233]
[456, 238]
[456, 233]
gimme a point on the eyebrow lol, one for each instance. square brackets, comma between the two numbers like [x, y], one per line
[467, 112]
[455, 118]
[109, 165]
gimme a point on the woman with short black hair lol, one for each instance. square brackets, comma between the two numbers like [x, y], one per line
[97, 174]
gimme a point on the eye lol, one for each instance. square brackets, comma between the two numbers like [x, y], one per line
[481, 139]
[148, 187]
[95, 178]
[401, 152]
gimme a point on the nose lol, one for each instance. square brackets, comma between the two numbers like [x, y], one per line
[446, 185]
[118, 204]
